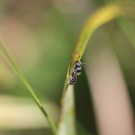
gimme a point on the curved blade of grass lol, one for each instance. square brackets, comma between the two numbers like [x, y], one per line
[102, 16]
[21, 76]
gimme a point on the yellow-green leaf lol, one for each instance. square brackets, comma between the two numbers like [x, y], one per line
[96, 20]
[102, 16]
[67, 121]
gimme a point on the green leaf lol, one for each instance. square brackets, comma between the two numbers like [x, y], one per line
[102, 16]
[24, 81]
[127, 29]
[67, 121]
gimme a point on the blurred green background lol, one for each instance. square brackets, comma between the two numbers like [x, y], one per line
[41, 34]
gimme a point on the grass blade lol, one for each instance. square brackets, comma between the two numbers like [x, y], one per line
[21, 76]
[102, 16]
[67, 122]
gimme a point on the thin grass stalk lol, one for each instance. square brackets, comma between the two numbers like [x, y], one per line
[30, 90]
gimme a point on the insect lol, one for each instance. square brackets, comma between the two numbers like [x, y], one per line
[75, 72]
[78, 67]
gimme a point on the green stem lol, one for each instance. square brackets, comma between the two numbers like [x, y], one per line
[21, 76]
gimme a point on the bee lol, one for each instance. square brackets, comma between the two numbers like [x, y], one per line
[75, 72]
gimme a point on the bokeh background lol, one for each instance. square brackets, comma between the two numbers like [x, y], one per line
[40, 35]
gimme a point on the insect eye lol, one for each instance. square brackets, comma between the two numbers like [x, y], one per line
[79, 63]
